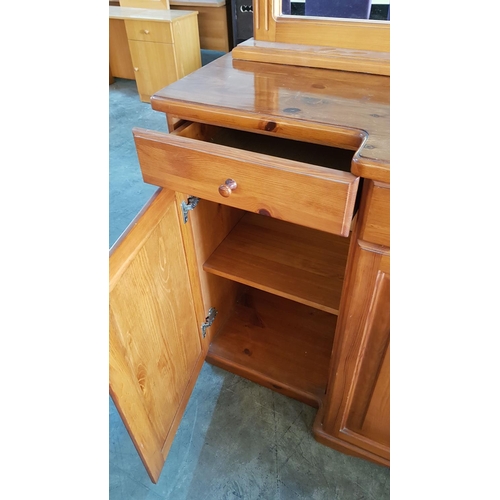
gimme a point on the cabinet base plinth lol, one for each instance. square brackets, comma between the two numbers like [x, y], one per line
[344, 447]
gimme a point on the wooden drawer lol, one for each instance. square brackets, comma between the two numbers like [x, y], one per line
[149, 31]
[274, 176]
[375, 224]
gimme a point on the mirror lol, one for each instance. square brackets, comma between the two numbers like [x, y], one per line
[373, 10]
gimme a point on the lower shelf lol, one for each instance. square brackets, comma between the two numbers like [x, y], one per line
[277, 343]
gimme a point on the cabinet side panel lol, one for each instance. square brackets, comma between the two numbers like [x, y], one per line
[187, 45]
[120, 61]
[212, 22]
[154, 337]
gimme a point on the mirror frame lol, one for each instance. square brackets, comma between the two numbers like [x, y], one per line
[271, 26]
[343, 44]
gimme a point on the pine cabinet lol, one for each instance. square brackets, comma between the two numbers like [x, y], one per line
[212, 22]
[263, 252]
[162, 46]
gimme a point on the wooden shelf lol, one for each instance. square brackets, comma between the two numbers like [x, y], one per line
[295, 262]
[277, 343]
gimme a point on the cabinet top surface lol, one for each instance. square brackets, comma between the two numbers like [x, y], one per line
[199, 3]
[269, 97]
[148, 14]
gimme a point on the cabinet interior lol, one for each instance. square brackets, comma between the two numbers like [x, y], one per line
[277, 343]
[295, 262]
[281, 286]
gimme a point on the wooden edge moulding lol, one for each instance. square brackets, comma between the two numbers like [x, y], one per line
[343, 44]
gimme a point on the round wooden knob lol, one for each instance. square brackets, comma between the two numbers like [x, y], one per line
[227, 188]
[146, 32]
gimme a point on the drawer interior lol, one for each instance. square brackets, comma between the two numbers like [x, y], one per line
[317, 154]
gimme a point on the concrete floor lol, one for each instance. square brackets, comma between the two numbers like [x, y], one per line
[236, 439]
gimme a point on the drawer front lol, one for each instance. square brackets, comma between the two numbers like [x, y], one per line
[375, 225]
[149, 31]
[304, 194]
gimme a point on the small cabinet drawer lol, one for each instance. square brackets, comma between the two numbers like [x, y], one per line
[303, 183]
[376, 221]
[149, 31]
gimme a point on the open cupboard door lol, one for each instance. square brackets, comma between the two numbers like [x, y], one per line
[155, 349]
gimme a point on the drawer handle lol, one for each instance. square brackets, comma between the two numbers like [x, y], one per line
[136, 69]
[227, 188]
[146, 32]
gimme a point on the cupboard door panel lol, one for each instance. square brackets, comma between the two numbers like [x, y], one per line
[365, 419]
[154, 66]
[154, 343]
[357, 404]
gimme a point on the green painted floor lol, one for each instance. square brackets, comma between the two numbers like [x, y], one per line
[237, 440]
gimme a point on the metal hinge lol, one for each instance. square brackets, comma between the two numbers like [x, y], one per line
[212, 312]
[192, 201]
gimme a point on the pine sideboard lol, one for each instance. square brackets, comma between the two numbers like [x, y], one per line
[265, 251]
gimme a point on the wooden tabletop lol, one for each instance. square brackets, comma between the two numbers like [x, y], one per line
[162, 15]
[199, 3]
[338, 108]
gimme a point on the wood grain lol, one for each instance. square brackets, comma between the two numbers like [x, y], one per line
[365, 418]
[356, 407]
[271, 26]
[208, 225]
[145, 4]
[337, 108]
[162, 46]
[149, 31]
[154, 66]
[341, 445]
[120, 61]
[154, 342]
[294, 262]
[323, 198]
[162, 15]
[212, 23]
[277, 343]
[187, 45]
[376, 225]
[377, 418]
[197, 3]
[363, 61]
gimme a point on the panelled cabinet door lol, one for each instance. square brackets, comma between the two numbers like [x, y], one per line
[154, 66]
[358, 404]
[366, 415]
[155, 350]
